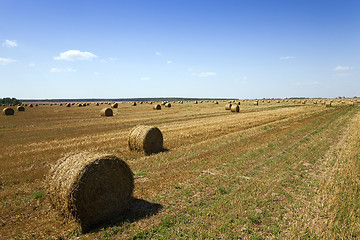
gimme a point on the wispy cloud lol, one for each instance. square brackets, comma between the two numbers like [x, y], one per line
[146, 78]
[204, 74]
[5, 61]
[73, 55]
[169, 62]
[31, 65]
[158, 53]
[287, 58]
[9, 43]
[342, 68]
[67, 69]
[109, 59]
[307, 83]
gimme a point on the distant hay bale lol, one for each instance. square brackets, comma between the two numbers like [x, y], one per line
[106, 112]
[8, 111]
[216, 102]
[195, 102]
[235, 108]
[351, 103]
[67, 105]
[60, 104]
[97, 104]
[31, 105]
[238, 103]
[163, 103]
[20, 108]
[168, 105]
[256, 103]
[92, 188]
[133, 104]
[146, 139]
[303, 102]
[115, 105]
[79, 105]
[228, 106]
[328, 104]
[277, 101]
[157, 107]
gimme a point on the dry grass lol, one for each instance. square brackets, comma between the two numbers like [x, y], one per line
[266, 164]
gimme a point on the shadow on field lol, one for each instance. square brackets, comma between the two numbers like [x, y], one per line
[138, 209]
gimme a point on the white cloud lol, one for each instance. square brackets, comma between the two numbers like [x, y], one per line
[9, 43]
[342, 68]
[204, 74]
[287, 57]
[158, 53]
[67, 69]
[73, 55]
[5, 61]
[144, 78]
[31, 65]
[169, 62]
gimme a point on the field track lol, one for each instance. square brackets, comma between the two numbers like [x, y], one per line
[273, 171]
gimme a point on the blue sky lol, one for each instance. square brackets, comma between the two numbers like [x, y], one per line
[233, 49]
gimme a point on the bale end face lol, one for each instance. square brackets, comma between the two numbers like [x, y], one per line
[8, 111]
[20, 108]
[146, 139]
[157, 107]
[92, 188]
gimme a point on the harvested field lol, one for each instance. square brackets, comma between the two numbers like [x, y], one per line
[274, 165]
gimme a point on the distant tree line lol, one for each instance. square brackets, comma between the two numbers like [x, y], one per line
[8, 100]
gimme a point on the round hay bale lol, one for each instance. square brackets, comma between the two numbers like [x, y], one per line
[146, 139]
[97, 104]
[216, 102]
[133, 104]
[168, 105]
[351, 103]
[106, 112]
[79, 105]
[90, 187]
[195, 102]
[256, 103]
[228, 106]
[157, 107]
[20, 108]
[115, 105]
[8, 111]
[235, 108]
[67, 105]
[328, 104]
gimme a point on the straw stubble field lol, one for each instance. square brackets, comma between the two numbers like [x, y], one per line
[273, 171]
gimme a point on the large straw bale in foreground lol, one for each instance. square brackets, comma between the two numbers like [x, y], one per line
[106, 112]
[92, 188]
[146, 139]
